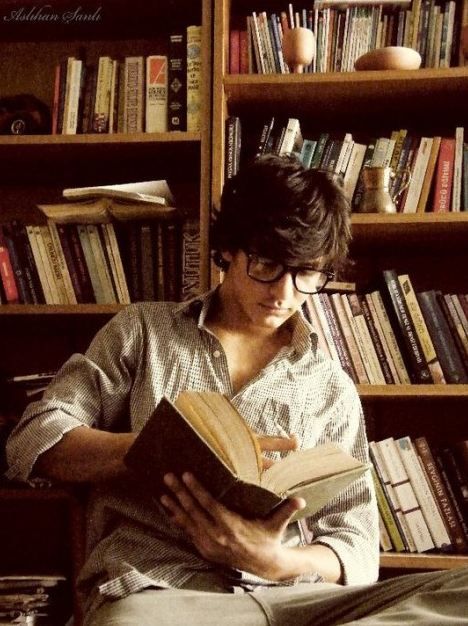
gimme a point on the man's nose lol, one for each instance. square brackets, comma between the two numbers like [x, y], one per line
[283, 287]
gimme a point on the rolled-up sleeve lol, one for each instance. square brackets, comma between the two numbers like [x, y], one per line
[90, 390]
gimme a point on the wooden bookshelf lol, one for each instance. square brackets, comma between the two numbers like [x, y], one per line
[430, 247]
[36, 168]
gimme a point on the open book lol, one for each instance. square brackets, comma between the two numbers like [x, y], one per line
[153, 191]
[202, 433]
[99, 210]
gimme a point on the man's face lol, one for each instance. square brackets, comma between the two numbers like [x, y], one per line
[256, 304]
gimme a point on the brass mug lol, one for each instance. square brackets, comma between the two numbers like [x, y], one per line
[377, 197]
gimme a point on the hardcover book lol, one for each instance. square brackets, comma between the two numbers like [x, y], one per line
[405, 329]
[202, 433]
[177, 82]
[194, 78]
[156, 94]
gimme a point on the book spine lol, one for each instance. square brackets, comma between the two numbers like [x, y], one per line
[456, 327]
[429, 176]
[133, 108]
[43, 236]
[382, 472]
[450, 361]
[392, 342]
[6, 272]
[194, 77]
[382, 337]
[363, 330]
[457, 169]
[71, 122]
[102, 97]
[387, 513]
[314, 319]
[115, 252]
[349, 338]
[424, 494]
[317, 305]
[444, 176]
[98, 290]
[405, 495]
[190, 284]
[421, 329]
[457, 485]
[26, 259]
[80, 263]
[338, 339]
[41, 270]
[171, 244]
[376, 341]
[359, 339]
[148, 263]
[113, 101]
[233, 146]
[55, 265]
[65, 245]
[397, 304]
[86, 122]
[100, 263]
[438, 487]
[156, 94]
[109, 261]
[177, 82]
[417, 176]
[62, 265]
[25, 296]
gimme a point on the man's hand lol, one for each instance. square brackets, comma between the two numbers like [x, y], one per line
[276, 444]
[224, 537]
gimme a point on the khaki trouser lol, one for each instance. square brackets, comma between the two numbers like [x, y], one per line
[429, 599]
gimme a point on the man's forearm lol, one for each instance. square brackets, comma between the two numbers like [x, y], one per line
[85, 455]
[297, 561]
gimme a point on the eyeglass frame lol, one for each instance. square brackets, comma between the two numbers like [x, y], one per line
[291, 269]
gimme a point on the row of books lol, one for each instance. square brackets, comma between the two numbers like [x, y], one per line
[345, 33]
[428, 173]
[102, 263]
[157, 93]
[422, 494]
[393, 334]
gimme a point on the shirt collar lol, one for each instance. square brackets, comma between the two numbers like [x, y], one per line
[304, 336]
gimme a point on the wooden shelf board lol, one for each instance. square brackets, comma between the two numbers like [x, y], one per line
[34, 493]
[85, 139]
[416, 392]
[333, 92]
[423, 561]
[60, 309]
[415, 223]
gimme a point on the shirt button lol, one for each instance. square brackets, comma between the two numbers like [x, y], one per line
[216, 354]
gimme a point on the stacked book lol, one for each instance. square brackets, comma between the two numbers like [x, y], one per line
[108, 244]
[394, 335]
[429, 174]
[345, 32]
[422, 494]
[32, 599]
[155, 93]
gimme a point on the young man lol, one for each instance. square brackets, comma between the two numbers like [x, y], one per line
[280, 233]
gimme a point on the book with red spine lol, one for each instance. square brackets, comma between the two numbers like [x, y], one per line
[444, 176]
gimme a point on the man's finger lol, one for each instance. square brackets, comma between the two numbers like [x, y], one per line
[282, 515]
[279, 444]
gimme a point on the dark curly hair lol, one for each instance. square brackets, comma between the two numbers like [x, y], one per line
[276, 207]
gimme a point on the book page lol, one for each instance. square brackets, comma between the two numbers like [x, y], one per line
[236, 443]
[304, 466]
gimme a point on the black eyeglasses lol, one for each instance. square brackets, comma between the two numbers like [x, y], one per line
[305, 279]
